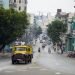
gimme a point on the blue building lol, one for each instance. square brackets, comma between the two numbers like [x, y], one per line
[1, 3]
[6, 4]
[70, 40]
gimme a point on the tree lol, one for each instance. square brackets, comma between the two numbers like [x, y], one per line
[38, 30]
[12, 25]
[55, 31]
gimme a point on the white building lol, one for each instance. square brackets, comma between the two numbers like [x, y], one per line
[19, 5]
[44, 20]
[70, 18]
[31, 19]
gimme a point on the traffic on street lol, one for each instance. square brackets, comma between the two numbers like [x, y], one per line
[43, 63]
[37, 37]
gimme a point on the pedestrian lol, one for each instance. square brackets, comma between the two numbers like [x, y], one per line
[54, 49]
[39, 50]
[49, 51]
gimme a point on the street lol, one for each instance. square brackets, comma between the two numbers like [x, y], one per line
[6, 68]
[37, 37]
[43, 64]
[21, 69]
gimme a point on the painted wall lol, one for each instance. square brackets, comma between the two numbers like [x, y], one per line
[6, 4]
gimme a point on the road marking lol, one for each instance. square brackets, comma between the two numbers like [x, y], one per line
[6, 67]
[43, 69]
[8, 71]
[22, 70]
[33, 67]
[58, 73]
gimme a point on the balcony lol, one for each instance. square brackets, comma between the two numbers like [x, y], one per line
[13, 5]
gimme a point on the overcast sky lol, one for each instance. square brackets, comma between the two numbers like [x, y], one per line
[45, 6]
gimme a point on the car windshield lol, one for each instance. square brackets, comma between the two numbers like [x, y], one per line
[20, 48]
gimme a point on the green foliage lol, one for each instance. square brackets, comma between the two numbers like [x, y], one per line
[39, 31]
[12, 25]
[55, 30]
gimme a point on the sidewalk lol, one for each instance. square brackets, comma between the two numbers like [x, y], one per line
[5, 55]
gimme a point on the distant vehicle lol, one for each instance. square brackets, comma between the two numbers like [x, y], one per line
[22, 53]
[41, 41]
[43, 45]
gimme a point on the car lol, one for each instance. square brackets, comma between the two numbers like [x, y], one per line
[41, 41]
[43, 45]
[22, 53]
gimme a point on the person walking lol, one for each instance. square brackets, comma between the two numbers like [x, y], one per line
[39, 50]
[49, 51]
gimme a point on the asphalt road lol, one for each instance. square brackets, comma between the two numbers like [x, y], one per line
[6, 68]
[42, 64]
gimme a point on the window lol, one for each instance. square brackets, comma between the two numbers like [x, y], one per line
[20, 48]
[19, 1]
[14, 1]
[25, 8]
[10, 1]
[28, 49]
[25, 1]
[19, 8]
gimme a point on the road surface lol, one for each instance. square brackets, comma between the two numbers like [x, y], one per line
[42, 64]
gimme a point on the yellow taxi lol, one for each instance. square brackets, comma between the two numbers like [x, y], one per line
[22, 53]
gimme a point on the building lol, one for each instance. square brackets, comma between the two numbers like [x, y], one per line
[69, 37]
[63, 16]
[43, 20]
[6, 4]
[31, 19]
[70, 40]
[19, 5]
[1, 3]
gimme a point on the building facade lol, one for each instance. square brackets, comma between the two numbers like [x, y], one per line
[70, 40]
[43, 20]
[62, 16]
[19, 5]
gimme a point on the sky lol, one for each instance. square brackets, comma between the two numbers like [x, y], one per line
[45, 6]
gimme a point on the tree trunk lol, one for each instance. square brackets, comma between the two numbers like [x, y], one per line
[56, 47]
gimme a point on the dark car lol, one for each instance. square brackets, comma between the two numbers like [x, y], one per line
[41, 41]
